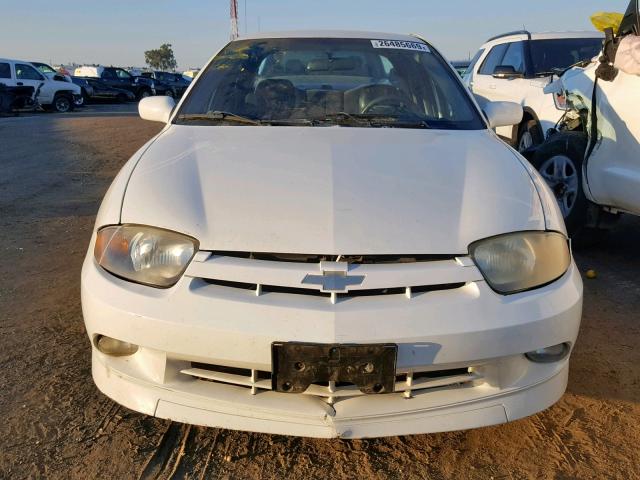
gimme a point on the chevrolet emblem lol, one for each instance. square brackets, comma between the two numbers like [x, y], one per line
[334, 278]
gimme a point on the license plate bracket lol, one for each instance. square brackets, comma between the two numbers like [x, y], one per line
[295, 365]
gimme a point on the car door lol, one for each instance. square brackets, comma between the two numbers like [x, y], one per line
[6, 78]
[101, 89]
[484, 86]
[30, 77]
[126, 80]
[510, 88]
[110, 78]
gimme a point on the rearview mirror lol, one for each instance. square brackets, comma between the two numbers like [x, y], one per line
[156, 109]
[506, 71]
[503, 114]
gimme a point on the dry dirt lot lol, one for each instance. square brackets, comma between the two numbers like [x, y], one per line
[55, 424]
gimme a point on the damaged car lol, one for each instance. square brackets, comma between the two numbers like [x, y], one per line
[327, 239]
[591, 160]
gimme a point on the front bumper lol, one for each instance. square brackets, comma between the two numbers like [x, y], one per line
[469, 327]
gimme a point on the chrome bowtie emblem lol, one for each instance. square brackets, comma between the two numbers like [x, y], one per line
[334, 278]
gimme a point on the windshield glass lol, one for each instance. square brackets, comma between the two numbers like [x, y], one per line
[559, 54]
[315, 81]
[44, 68]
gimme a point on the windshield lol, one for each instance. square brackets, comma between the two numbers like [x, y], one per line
[315, 81]
[44, 68]
[549, 56]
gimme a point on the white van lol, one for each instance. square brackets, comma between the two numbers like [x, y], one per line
[55, 95]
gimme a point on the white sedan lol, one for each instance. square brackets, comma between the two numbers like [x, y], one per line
[327, 239]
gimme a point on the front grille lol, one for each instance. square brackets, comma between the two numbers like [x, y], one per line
[352, 259]
[317, 293]
[315, 275]
[407, 384]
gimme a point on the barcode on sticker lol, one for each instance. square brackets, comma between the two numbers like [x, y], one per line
[401, 44]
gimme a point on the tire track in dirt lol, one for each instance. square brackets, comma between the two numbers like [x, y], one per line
[549, 434]
[166, 455]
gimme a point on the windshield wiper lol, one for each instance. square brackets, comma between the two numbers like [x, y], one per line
[374, 120]
[217, 116]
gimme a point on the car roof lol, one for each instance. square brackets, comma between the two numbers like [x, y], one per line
[526, 35]
[331, 34]
[15, 60]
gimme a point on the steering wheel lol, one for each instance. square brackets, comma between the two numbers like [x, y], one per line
[385, 100]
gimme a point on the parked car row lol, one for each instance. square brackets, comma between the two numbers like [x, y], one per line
[54, 92]
[61, 92]
[141, 86]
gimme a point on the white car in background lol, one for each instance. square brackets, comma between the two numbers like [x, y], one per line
[517, 66]
[327, 239]
[58, 95]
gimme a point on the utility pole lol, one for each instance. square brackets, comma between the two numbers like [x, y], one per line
[234, 19]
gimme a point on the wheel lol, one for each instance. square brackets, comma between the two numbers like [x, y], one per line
[170, 93]
[62, 103]
[529, 135]
[145, 93]
[79, 102]
[559, 161]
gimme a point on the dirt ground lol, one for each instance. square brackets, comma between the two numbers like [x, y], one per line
[55, 424]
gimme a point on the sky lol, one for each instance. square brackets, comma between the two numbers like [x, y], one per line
[117, 32]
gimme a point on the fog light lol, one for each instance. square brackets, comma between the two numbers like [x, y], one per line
[549, 354]
[115, 348]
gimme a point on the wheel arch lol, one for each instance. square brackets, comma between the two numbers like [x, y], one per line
[528, 114]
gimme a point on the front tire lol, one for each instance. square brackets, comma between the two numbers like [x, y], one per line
[144, 94]
[529, 135]
[62, 103]
[559, 161]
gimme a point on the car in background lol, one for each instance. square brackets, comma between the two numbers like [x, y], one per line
[461, 66]
[57, 95]
[327, 239]
[191, 73]
[516, 67]
[116, 77]
[51, 72]
[54, 74]
[168, 83]
[94, 90]
[592, 160]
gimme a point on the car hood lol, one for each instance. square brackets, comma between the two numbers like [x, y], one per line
[332, 190]
[58, 84]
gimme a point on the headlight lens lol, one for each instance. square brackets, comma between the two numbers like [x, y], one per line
[147, 255]
[521, 261]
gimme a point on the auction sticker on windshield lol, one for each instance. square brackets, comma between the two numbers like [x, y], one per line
[401, 44]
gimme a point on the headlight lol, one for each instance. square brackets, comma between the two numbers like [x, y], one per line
[560, 99]
[521, 261]
[146, 255]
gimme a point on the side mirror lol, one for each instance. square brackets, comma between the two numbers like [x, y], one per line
[506, 71]
[503, 114]
[156, 109]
